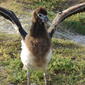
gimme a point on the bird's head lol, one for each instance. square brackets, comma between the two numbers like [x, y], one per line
[40, 15]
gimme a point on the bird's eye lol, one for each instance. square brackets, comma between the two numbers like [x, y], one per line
[40, 15]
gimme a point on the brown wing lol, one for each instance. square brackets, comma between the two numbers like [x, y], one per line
[65, 14]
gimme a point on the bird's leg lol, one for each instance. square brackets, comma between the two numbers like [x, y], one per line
[45, 78]
[28, 77]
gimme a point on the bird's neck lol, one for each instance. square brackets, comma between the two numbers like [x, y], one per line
[38, 29]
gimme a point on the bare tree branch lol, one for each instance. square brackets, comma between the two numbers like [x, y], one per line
[65, 14]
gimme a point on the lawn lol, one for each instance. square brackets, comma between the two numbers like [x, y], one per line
[67, 66]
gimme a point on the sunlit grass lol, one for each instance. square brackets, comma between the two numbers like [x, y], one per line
[66, 67]
[75, 23]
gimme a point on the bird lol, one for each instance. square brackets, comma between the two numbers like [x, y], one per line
[36, 46]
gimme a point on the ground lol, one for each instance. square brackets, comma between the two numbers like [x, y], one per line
[67, 66]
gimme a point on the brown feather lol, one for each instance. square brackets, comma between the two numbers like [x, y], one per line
[38, 41]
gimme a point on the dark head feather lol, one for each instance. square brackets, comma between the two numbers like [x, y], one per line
[37, 11]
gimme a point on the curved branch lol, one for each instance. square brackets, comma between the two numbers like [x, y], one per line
[65, 14]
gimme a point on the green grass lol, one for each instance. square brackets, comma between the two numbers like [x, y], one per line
[75, 23]
[67, 66]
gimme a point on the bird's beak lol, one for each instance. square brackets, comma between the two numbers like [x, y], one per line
[46, 19]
